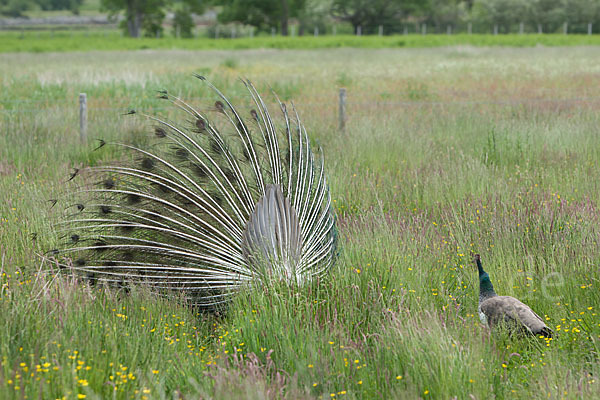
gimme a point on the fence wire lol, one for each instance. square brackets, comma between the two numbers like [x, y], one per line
[26, 106]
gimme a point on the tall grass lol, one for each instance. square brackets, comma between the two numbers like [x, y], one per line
[446, 152]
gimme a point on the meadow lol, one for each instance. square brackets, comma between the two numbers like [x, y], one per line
[89, 39]
[446, 152]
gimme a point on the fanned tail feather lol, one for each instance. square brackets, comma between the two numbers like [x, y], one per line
[219, 200]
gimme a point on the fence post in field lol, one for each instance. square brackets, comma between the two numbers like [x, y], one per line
[342, 109]
[334, 30]
[380, 30]
[217, 32]
[359, 30]
[590, 28]
[316, 31]
[405, 31]
[233, 32]
[273, 31]
[495, 29]
[540, 29]
[566, 28]
[449, 30]
[521, 28]
[470, 28]
[83, 117]
[424, 29]
[293, 29]
[251, 32]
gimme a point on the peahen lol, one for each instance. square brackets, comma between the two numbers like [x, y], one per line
[219, 199]
[495, 310]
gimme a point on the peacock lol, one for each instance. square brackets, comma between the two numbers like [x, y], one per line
[495, 310]
[215, 201]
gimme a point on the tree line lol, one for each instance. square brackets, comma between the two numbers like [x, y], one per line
[145, 17]
[16, 8]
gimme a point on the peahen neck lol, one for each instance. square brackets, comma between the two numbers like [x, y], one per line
[486, 289]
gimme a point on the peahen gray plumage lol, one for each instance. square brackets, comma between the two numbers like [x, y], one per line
[495, 310]
[220, 199]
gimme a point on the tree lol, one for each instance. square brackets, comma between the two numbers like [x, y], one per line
[182, 18]
[14, 8]
[502, 13]
[443, 13]
[72, 5]
[263, 14]
[369, 14]
[549, 14]
[314, 14]
[579, 13]
[147, 14]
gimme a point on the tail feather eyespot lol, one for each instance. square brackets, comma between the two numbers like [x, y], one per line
[200, 124]
[105, 209]
[148, 163]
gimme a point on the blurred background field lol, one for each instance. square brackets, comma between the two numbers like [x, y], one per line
[63, 25]
[446, 151]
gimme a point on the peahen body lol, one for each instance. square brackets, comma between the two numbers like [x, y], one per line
[221, 198]
[495, 310]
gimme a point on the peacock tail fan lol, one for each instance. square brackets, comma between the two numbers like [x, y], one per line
[218, 199]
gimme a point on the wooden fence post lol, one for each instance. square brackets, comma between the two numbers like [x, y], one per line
[83, 117]
[342, 109]
[521, 28]
[380, 30]
[470, 28]
[590, 28]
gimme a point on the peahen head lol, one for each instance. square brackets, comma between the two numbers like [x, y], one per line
[486, 289]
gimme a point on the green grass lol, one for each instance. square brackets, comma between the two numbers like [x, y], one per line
[447, 151]
[86, 40]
